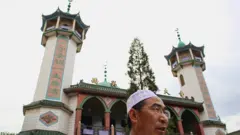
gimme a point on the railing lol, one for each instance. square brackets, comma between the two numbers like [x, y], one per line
[174, 64]
[50, 28]
[78, 34]
[99, 130]
[186, 58]
[198, 59]
[65, 27]
[120, 131]
[94, 130]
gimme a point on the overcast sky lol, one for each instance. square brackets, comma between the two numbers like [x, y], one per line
[113, 25]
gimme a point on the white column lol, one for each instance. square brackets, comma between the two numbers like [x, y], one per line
[177, 57]
[202, 56]
[191, 53]
[74, 23]
[58, 21]
[45, 26]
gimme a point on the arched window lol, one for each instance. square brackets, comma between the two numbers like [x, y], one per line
[182, 80]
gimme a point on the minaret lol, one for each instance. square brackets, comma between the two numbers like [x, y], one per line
[187, 64]
[62, 37]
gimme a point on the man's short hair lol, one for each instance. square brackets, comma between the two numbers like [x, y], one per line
[137, 107]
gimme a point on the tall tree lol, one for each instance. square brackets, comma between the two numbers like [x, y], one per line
[139, 71]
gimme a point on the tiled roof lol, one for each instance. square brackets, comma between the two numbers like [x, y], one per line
[213, 123]
[46, 103]
[40, 132]
[96, 89]
[122, 93]
[186, 47]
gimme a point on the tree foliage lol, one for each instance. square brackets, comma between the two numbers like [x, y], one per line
[139, 71]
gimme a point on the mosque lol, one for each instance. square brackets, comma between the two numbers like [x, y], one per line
[99, 108]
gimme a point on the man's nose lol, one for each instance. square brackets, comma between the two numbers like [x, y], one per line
[163, 119]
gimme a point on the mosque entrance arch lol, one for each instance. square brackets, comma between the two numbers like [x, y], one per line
[118, 116]
[172, 119]
[190, 123]
[92, 115]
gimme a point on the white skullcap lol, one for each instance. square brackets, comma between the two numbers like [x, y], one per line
[138, 96]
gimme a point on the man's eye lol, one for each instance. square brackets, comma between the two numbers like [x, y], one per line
[156, 108]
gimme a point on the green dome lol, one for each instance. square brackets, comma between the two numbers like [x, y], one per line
[181, 44]
[106, 84]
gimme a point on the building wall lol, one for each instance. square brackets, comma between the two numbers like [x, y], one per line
[214, 131]
[47, 69]
[192, 87]
[43, 77]
[72, 105]
[31, 120]
[68, 71]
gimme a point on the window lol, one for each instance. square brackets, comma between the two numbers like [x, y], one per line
[182, 80]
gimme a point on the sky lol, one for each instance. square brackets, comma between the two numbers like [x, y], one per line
[113, 26]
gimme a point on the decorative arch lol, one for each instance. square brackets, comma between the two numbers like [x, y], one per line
[89, 97]
[114, 102]
[174, 112]
[195, 115]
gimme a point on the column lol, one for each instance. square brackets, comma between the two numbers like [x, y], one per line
[45, 26]
[74, 24]
[58, 21]
[178, 60]
[107, 120]
[112, 130]
[191, 53]
[77, 120]
[79, 128]
[180, 127]
[201, 129]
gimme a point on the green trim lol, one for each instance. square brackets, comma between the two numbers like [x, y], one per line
[182, 111]
[89, 97]
[47, 103]
[114, 102]
[213, 123]
[174, 112]
[40, 132]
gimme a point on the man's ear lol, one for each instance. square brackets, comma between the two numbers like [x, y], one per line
[133, 116]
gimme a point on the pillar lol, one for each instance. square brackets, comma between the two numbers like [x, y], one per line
[107, 120]
[180, 127]
[178, 60]
[201, 129]
[78, 119]
[112, 130]
[79, 128]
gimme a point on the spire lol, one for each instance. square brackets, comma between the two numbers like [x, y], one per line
[105, 72]
[69, 5]
[179, 38]
[180, 43]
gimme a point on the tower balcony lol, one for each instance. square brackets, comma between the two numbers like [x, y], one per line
[197, 61]
[63, 30]
[62, 23]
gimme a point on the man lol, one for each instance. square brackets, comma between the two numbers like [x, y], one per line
[146, 114]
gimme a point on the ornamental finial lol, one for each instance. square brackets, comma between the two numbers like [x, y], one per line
[69, 5]
[105, 72]
[179, 38]
[166, 91]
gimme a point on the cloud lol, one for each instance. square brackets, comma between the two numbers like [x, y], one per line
[232, 122]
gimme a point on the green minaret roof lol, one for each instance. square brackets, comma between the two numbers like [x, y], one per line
[181, 44]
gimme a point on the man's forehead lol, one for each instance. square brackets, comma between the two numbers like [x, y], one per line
[155, 100]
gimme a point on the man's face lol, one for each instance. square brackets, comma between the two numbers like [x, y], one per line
[151, 119]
